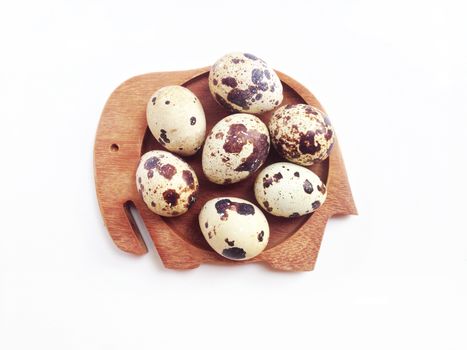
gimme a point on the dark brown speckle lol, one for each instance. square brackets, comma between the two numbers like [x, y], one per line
[277, 177]
[250, 56]
[234, 253]
[224, 103]
[230, 243]
[238, 136]
[260, 236]
[229, 81]
[188, 178]
[307, 187]
[240, 97]
[226, 204]
[151, 163]
[307, 143]
[167, 171]
[310, 110]
[266, 205]
[191, 201]
[171, 197]
[164, 137]
[268, 181]
[256, 76]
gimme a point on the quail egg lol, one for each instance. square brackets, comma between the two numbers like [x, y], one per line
[235, 148]
[289, 190]
[242, 82]
[166, 183]
[176, 119]
[302, 134]
[234, 227]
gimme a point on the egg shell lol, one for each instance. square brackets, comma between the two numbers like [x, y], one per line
[242, 82]
[167, 184]
[301, 134]
[176, 118]
[289, 190]
[235, 148]
[234, 227]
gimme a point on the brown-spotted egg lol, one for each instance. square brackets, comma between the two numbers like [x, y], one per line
[242, 82]
[176, 119]
[289, 190]
[166, 183]
[301, 134]
[234, 227]
[235, 148]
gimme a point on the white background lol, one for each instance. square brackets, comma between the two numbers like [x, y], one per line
[391, 74]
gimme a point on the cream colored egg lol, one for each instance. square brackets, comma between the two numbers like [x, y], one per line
[302, 134]
[289, 190]
[242, 82]
[176, 119]
[235, 148]
[234, 227]
[166, 183]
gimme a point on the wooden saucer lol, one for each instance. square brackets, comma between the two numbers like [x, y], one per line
[123, 136]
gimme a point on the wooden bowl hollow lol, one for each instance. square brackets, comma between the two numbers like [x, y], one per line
[122, 137]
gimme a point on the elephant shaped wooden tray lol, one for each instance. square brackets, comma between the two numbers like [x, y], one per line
[123, 136]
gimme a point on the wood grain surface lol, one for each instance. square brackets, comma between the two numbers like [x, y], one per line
[122, 137]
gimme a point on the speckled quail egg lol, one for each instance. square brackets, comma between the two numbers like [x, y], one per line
[242, 82]
[301, 134]
[234, 227]
[235, 148]
[176, 119]
[166, 183]
[289, 190]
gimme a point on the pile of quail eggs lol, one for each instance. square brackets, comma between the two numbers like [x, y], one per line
[235, 149]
